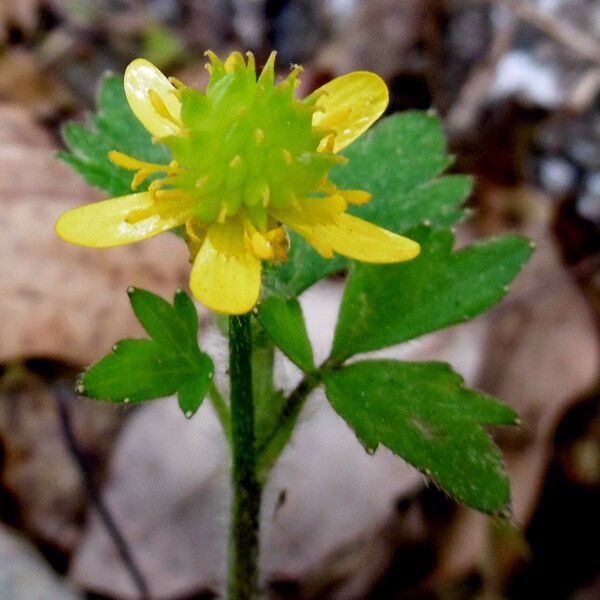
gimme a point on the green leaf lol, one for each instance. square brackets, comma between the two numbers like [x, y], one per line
[283, 321]
[385, 305]
[194, 388]
[113, 127]
[171, 362]
[174, 326]
[397, 161]
[422, 412]
[136, 370]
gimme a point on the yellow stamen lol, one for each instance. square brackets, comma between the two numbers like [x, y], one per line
[161, 109]
[191, 232]
[327, 144]
[177, 83]
[355, 196]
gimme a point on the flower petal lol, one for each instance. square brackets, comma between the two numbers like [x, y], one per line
[226, 275]
[122, 220]
[141, 76]
[328, 228]
[366, 242]
[350, 105]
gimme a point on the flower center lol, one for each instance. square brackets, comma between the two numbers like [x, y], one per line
[246, 144]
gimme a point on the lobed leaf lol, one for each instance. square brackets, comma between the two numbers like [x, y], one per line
[423, 413]
[283, 321]
[385, 305]
[397, 161]
[171, 362]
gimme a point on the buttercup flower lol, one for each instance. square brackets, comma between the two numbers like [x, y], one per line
[249, 160]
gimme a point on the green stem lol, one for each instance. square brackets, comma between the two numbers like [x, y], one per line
[279, 436]
[282, 431]
[245, 509]
[221, 408]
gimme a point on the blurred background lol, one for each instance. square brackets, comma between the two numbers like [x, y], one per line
[100, 502]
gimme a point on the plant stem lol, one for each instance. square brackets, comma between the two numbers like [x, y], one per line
[221, 408]
[245, 508]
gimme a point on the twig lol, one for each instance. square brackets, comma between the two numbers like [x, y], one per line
[463, 114]
[561, 30]
[62, 402]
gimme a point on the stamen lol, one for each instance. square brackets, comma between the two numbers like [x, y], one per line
[292, 78]
[140, 177]
[177, 83]
[161, 109]
[355, 196]
[133, 164]
[191, 233]
[327, 144]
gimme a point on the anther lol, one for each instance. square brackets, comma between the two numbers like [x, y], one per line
[223, 214]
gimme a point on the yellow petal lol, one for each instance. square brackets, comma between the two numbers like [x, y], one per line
[350, 105]
[364, 241]
[151, 98]
[122, 220]
[226, 275]
[329, 229]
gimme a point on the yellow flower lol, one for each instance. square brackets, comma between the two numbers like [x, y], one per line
[249, 160]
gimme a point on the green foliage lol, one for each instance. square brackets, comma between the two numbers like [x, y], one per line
[169, 363]
[112, 127]
[268, 400]
[283, 321]
[389, 304]
[396, 161]
[422, 412]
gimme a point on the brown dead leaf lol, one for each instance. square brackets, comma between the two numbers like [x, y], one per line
[23, 14]
[57, 300]
[37, 470]
[24, 82]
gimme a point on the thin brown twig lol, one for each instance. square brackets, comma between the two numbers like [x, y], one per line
[464, 112]
[562, 31]
[62, 400]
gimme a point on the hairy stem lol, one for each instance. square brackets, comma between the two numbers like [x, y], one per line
[245, 508]
[221, 408]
